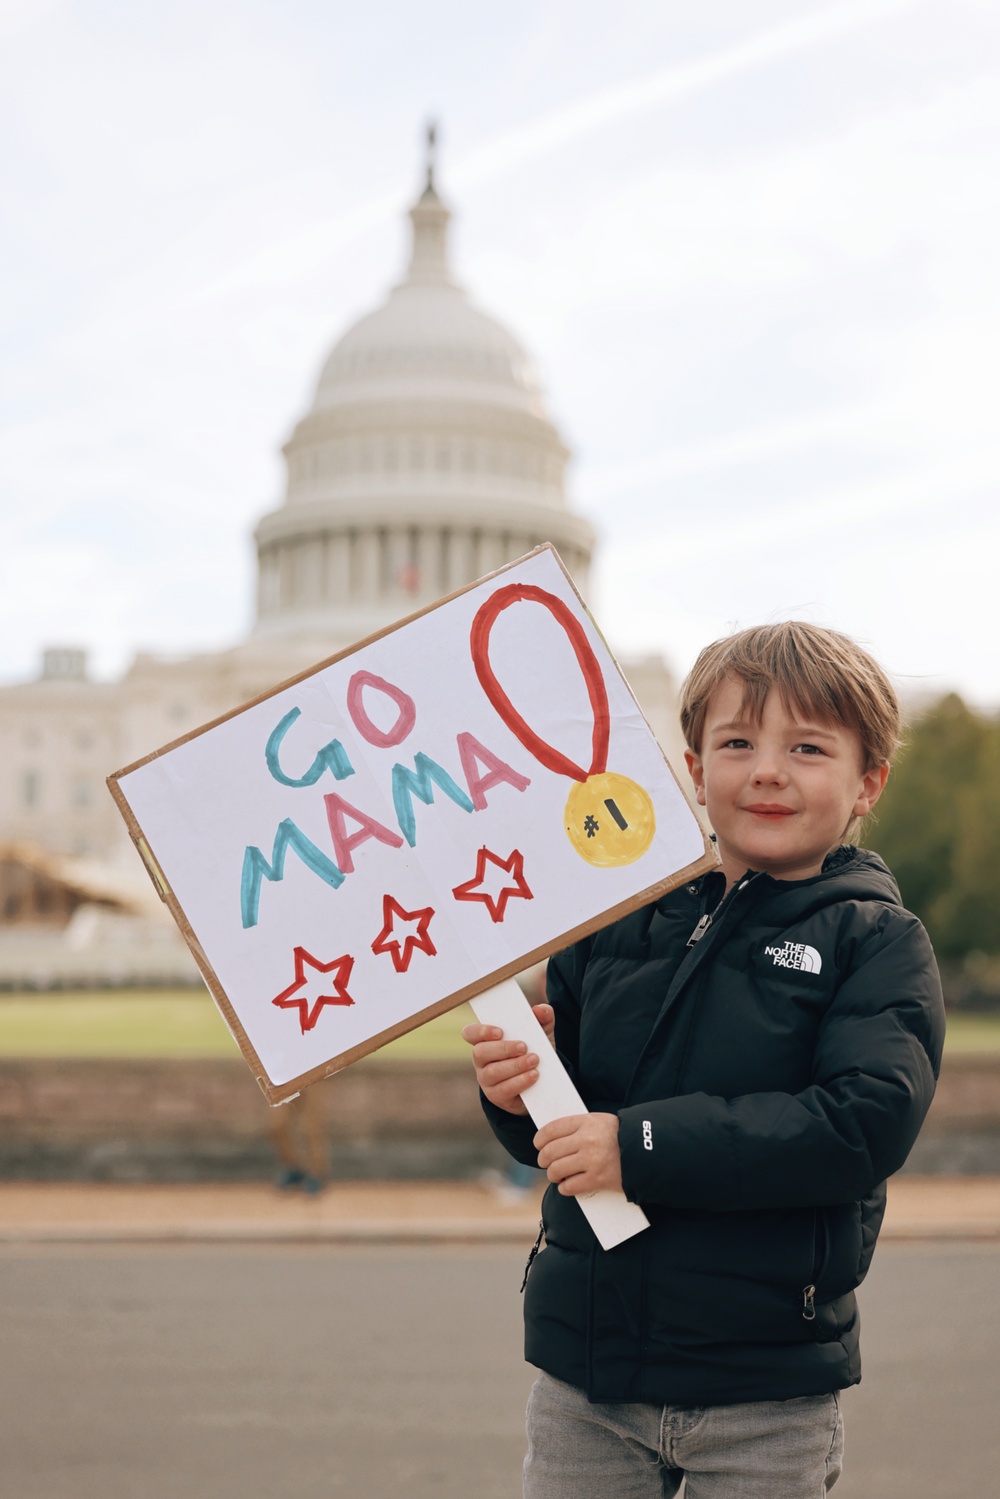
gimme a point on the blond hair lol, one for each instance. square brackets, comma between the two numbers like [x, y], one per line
[816, 671]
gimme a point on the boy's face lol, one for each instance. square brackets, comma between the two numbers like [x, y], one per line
[779, 794]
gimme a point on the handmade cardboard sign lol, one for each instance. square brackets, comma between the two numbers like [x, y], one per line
[409, 823]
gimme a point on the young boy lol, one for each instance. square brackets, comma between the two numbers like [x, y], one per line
[757, 1051]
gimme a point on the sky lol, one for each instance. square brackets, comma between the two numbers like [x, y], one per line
[753, 250]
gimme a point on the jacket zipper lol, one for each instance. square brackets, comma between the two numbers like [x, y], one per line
[534, 1250]
[683, 977]
[704, 922]
[820, 1254]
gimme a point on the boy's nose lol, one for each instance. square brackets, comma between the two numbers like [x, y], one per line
[768, 771]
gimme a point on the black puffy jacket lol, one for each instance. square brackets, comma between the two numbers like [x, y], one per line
[767, 1079]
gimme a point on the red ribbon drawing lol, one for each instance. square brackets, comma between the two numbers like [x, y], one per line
[482, 625]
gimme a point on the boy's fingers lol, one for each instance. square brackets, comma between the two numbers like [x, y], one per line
[557, 1129]
[505, 1090]
[552, 1161]
[575, 1186]
[562, 1157]
[510, 1089]
[498, 1051]
[546, 1017]
[474, 1033]
[503, 1070]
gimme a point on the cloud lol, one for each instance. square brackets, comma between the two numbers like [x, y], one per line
[668, 84]
[17, 16]
[599, 484]
[825, 510]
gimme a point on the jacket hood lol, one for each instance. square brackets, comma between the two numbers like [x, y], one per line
[848, 874]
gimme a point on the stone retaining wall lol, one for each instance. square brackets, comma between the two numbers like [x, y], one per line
[205, 1119]
[962, 1132]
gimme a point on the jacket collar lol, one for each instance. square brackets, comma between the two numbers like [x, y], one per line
[860, 873]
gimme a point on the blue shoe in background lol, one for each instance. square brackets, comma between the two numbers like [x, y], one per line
[290, 1178]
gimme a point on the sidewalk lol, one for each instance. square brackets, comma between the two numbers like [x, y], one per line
[920, 1208]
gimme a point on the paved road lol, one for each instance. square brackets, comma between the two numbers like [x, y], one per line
[238, 1372]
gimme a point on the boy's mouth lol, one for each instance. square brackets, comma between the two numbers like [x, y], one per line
[769, 809]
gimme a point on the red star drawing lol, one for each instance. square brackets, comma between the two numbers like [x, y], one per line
[401, 952]
[496, 903]
[309, 1012]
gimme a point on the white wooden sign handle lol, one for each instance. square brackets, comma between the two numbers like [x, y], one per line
[554, 1096]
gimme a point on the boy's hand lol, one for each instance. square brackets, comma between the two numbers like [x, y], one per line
[505, 1068]
[580, 1153]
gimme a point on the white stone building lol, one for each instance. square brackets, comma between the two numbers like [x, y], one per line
[427, 459]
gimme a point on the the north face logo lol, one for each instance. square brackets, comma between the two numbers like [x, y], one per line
[795, 955]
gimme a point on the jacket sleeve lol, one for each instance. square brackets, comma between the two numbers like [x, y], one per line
[563, 980]
[875, 1065]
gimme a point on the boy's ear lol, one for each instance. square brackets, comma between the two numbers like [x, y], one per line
[872, 786]
[696, 768]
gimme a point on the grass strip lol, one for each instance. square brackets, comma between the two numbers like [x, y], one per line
[165, 1023]
[186, 1023]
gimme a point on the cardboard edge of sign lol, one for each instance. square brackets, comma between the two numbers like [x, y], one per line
[277, 1093]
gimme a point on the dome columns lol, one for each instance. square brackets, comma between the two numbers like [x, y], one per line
[385, 565]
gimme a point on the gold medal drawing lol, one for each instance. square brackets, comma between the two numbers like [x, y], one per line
[609, 819]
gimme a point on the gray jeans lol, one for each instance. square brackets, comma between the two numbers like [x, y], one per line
[767, 1449]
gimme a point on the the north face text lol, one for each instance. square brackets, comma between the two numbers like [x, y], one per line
[795, 955]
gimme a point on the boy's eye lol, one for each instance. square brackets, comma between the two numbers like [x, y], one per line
[808, 749]
[736, 744]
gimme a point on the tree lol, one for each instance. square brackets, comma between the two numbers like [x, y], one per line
[938, 827]
[967, 912]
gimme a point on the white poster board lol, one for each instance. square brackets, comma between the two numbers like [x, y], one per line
[408, 824]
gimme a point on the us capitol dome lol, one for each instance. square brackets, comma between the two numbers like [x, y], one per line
[428, 458]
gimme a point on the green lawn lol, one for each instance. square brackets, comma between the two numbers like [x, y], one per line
[973, 1033]
[185, 1023]
[161, 1023]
